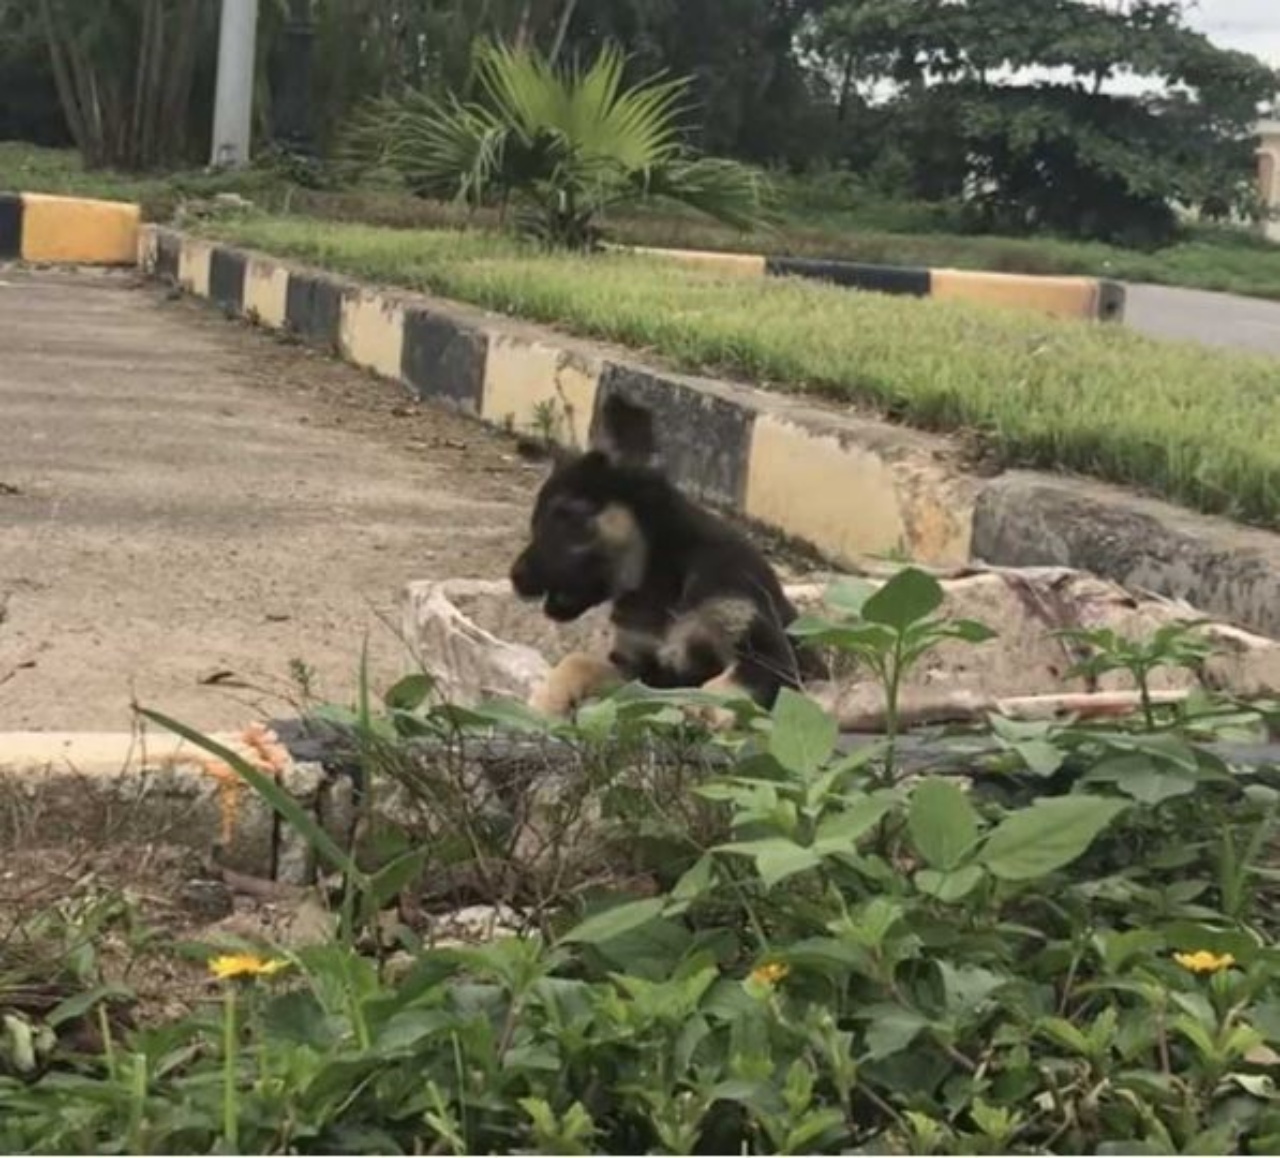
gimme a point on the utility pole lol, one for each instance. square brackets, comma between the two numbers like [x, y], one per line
[233, 102]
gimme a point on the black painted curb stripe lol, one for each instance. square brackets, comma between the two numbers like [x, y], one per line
[313, 308]
[227, 269]
[705, 438]
[1111, 300]
[885, 279]
[11, 213]
[443, 358]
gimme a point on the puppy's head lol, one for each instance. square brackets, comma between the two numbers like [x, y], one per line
[585, 544]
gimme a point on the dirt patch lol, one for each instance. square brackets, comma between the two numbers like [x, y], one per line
[209, 518]
[72, 919]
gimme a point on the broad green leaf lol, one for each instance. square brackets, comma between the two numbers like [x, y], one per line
[949, 887]
[910, 596]
[80, 1004]
[1041, 757]
[1117, 948]
[1065, 1034]
[1043, 838]
[968, 987]
[858, 638]
[696, 882]
[942, 823]
[1144, 779]
[409, 1027]
[614, 922]
[849, 596]
[891, 1029]
[803, 734]
[840, 831]
[389, 880]
[775, 858]
[969, 630]
[410, 693]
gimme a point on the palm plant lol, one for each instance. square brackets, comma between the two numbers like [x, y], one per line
[560, 146]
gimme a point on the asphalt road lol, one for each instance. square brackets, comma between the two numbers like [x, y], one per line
[1213, 319]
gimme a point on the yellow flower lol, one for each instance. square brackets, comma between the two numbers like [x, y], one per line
[245, 965]
[1202, 961]
[770, 974]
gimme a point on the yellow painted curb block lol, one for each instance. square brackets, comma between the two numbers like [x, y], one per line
[1059, 297]
[733, 264]
[77, 231]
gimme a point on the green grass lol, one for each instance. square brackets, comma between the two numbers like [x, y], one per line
[867, 229]
[1198, 426]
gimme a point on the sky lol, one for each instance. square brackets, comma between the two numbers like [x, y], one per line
[1249, 25]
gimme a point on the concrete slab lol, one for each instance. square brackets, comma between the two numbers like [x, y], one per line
[197, 513]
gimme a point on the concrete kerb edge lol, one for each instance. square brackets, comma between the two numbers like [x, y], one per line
[1098, 299]
[848, 486]
[122, 787]
[57, 230]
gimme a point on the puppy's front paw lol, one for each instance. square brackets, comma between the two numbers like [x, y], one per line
[572, 680]
[713, 716]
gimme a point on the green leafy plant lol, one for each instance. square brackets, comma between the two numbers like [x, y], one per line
[1173, 645]
[563, 145]
[888, 631]
[1072, 953]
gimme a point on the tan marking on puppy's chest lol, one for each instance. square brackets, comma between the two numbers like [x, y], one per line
[716, 624]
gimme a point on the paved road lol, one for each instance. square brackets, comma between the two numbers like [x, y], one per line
[1214, 319]
[181, 496]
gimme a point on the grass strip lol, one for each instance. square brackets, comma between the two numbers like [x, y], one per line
[1195, 425]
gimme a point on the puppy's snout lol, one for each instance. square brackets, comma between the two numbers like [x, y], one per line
[524, 576]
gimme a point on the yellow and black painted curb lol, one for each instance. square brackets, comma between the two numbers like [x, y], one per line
[850, 486]
[1088, 298]
[38, 227]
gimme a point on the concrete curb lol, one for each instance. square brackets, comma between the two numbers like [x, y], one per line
[1097, 299]
[847, 485]
[37, 227]
[122, 788]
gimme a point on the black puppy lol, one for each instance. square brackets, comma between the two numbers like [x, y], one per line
[695, 605]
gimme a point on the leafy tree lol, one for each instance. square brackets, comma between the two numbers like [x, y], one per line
[125, 72]
[560, 144]
[29, 108]
[1064, 154]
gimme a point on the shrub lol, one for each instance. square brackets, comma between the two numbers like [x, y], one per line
[562, 145]
[1066, 948]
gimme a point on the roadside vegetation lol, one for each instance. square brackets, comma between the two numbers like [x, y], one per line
[1177, 420]
[833, 217]
[758, 943]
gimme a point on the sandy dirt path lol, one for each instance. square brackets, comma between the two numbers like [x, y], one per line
[193, 513]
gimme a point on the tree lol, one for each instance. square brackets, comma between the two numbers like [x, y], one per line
[1062, 153]
[563, 144]
[29, 108]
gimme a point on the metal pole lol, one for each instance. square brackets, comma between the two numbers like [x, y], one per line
[233, 102]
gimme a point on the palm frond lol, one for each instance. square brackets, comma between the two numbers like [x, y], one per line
[566, 143]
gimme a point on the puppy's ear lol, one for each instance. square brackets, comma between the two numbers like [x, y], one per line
[625, 434]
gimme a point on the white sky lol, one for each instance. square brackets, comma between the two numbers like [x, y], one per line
[1249, 25]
